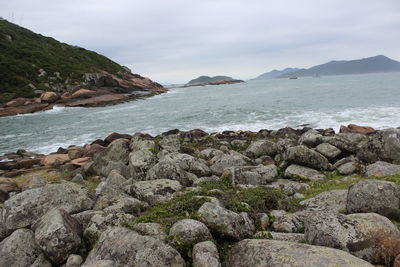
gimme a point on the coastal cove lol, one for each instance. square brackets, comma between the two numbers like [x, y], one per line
[266, 104]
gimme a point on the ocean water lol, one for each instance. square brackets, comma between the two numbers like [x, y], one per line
[372, 100]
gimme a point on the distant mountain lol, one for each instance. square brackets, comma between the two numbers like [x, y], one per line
[275, 73]
[366, 65]
[208, 79]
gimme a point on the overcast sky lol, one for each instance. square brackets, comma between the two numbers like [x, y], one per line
[173, 41]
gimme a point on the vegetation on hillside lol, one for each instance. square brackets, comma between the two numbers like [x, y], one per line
[24, 53]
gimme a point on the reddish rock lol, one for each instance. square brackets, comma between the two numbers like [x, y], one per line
[50, 160]
[344, 129]
[83, 93]
[28, 163]
[361, 129]
[7, 185]
[98, 142]
[49, 97]
[114, 136]
[197, 133]
[94, 149]
[16, 102]
[81, 161]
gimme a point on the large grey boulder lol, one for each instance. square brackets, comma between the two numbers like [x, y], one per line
[254, 175]
[188, 232]
[170, 143]
[328, 150]
[221, 162]
[369, 236]
[205, 254]
[266, 253]
[139, 143]
[191, 164]
[112, 187]
[74, 261]
[261, 148]
[141, 161]
[25, 208]
[4, 231]
[291, 237]
[19, 249]
[295, 171]
[117, 151]
[154, 191]
[311, 138]
[151, 229]
[374, 196]
[347, 142]
[381, 168]
[224, 222]
[348, 168]
[287, 222]
[100, 222]
[304, 156]
[58, 235]
[167, 168]
[384, 146]
[128, 248]
[334, 200]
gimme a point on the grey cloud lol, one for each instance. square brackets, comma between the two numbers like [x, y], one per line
[175, 40]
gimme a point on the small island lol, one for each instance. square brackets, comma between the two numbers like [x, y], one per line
[216, 80]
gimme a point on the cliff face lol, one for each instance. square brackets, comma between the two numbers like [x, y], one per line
[32, 65]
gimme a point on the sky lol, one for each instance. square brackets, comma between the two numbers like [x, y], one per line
[174, 41]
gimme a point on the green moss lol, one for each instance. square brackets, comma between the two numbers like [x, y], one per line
[154, 150]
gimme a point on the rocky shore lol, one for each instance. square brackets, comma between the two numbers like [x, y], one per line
[213, 83]
[97, 89]
[287, 197]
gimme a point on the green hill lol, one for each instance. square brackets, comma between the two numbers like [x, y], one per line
[207, 79]
[24, 55]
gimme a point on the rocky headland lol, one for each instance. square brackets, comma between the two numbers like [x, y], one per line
[287, 197]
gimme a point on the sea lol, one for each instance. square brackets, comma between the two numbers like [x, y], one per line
[324, 102]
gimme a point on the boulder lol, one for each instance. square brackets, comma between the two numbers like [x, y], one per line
[304, 156]
[7, 186]
[349, 143]
[261, 148]
[334, 200]
[291, 237]
[287, 222]
[167, 168]
[154, 191]
[139, 143]
[141, 161]
[224, 222]
[205, 254]
[128, 248]
[329, 151]
[311, 138]
[54, 159]
[381, 168]
[170, 143]
[115, 136]
[191, 164]
[360, 129]
[296, 171]
[374, 196]
[101, 263]
[348, 168]
[210, 153]
[254, 175]
[265, 253]
[221, 162]
[188, 232]
[74, 261]
[34, 182]
[49, 97]
[83, 93]
[118, 151]
[19, 249]
[383, 146]
[151, 229]
[25, 208]
[369, 236]
[58, 235]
